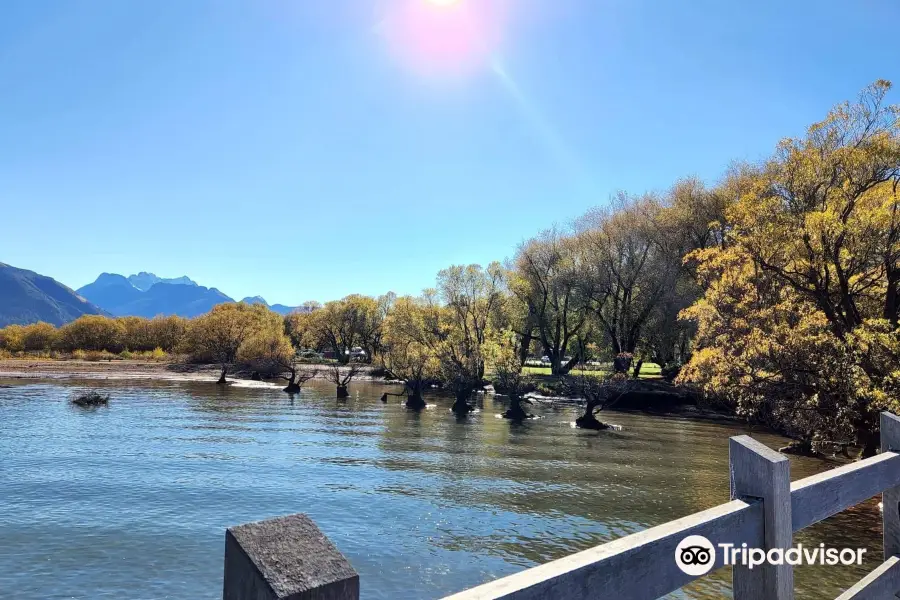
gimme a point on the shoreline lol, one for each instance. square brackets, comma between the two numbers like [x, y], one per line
[47, 368]
[123, 370]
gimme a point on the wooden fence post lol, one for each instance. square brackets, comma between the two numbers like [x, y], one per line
[890, 498]
[759, 472]
[285, 558]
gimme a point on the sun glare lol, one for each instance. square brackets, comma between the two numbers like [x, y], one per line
[443, 37]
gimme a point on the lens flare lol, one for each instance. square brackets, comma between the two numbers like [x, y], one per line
[443, 37]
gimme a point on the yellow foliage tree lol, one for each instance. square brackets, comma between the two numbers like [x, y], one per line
[237, 331]
[409, 352]
[799, 322]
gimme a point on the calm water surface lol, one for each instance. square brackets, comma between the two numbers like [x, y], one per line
[132, 500]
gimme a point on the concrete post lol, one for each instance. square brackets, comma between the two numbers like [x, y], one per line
[287, 558]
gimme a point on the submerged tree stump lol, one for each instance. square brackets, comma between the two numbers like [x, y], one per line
[415, 402]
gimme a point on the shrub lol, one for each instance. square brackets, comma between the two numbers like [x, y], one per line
[79, 354]
[98, 355]
[39, 337]
[93, 332]
[11, 338]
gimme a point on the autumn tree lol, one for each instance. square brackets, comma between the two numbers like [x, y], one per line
[599, 394]
[220, 335]
[39, 337]
[268, 350]
[799, 322]
[549, 279]
[409, 353]
[93, 332]
[461, 315]
[341, 376]
[503, 353]
[163, 332]
[344, 324]
[301, 329]
[12, 338]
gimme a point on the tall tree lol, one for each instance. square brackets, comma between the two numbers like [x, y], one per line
[409, 351]
[219, 335]
[798, 323]
[549, 279]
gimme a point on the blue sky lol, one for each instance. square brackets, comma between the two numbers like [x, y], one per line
[305, 149]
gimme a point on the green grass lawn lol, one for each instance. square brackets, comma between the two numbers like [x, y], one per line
[648, 371]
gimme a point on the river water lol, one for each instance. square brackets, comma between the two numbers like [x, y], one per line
[132, 500]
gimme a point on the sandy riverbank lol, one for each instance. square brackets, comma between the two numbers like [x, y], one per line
[31, 368]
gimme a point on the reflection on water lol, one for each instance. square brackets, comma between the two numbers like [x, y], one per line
[131, 500]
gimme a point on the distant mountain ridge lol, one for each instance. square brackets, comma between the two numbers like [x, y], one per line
[279, 308]
[181, 296]
[144, 281]
[147, 295]
[28, 297]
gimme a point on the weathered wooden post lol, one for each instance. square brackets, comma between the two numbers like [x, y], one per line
[287, 558]
[890, 498]
[759, 472]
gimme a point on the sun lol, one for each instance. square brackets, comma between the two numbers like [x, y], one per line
[443, 37]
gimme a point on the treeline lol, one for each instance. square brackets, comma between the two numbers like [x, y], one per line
[98, 334]
[777, 290]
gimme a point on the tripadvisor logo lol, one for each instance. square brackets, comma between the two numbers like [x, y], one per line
[695, 555]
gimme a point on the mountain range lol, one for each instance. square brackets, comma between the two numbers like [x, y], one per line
[146, 295]
[279, 308]
[144, 280]
[117, 295]
[28, 297]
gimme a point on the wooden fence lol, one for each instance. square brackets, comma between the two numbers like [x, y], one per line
[290, 559]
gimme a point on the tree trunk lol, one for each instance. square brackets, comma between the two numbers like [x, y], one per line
[461, 406]
[524, 347]
[415, 401]
[588, 420]
[292, 387]
[221, 380]
[342, 391]
[557, 367]
[637, 368]
[516, 412]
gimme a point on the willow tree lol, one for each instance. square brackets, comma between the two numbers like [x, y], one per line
[469, 296]
[503, 352]
[408, 351]
[342, 376]
[549, 277]
[220, 335]
[799, 321]
[341, 325]
[269, 350]
[92, 332]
